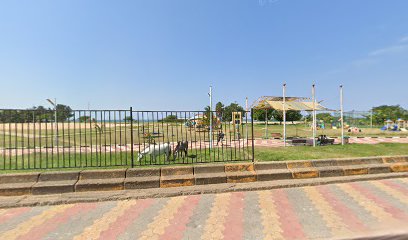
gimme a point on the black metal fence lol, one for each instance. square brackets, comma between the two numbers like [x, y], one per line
[31, 139]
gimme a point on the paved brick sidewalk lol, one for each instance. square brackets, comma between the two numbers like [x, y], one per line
[322, 212]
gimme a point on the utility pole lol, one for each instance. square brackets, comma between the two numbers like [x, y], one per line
[284, 114]
[341, 114]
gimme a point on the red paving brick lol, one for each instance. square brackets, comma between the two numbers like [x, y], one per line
[347, 214]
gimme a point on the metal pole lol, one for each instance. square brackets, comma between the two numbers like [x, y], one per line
[371, 119]
[314, 115]
[284, 115]
[341, 114]
[211, 127]
[246, 117]
[266, 123]
[131, 137]
[252, 132]
[55, 122]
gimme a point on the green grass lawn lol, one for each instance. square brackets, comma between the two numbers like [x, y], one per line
[21, 135]
[101, 159]
[105, 161]
[332, 151]
[301, 130]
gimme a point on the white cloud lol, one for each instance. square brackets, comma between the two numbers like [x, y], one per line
[404, 39]
[364, 62]
[395, 49]
[375, 57]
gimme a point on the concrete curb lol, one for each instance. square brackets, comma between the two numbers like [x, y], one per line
[76, 197]
[206, 174]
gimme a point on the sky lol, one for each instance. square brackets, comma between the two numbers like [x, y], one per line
[163, 55]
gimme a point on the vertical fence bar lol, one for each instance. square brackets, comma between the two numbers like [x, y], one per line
[56, 136]
[131, 138]
[40, 141]
[246, 125]
[110, 137]
[9, 138]
[80, 139]
[252, 130]
[28, 139]
[138, 136]
[22, 144]
[75, 143]
[63, 142]
[104, 135]
[47, 146]
[89, 134]
[16, 143]
[4, 140]
[125, 121]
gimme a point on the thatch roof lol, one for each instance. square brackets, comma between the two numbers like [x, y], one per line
[291, 103]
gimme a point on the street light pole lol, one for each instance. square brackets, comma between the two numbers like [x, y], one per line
[54, 104]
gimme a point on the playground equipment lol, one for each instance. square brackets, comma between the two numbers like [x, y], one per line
[354, 130]
[237, 121]
[402, 125]
[237, 118]
[389, 125]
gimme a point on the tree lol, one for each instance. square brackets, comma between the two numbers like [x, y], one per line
[84, 119]
[206, 117]
[63, 113]
[291, 115]
[326, 117]
[228, 110]
[259, 114]
[219, 108]
[171, 118]
[385, 112]
[128, 119]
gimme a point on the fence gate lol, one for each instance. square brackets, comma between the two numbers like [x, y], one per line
[30, 139]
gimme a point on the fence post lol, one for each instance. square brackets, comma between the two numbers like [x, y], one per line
[252, 133]
[131, 136]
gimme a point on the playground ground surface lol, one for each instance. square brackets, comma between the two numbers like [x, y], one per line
[332, 151]
[80, 134]
[267, 153]
[302, 130]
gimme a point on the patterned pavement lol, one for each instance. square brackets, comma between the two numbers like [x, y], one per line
[321, 212]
